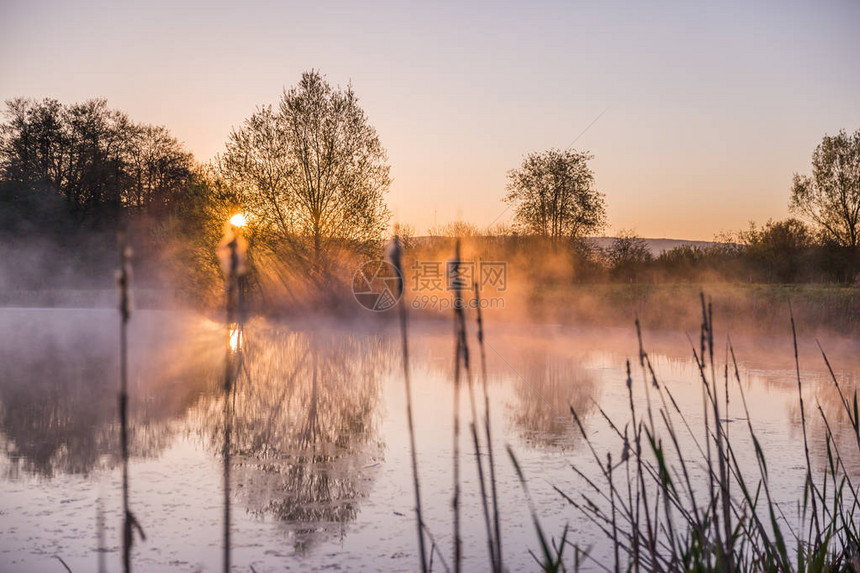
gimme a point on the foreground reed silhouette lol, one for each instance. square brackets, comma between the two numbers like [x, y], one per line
[129, 522]
[232, 251]
[461, 357]
[462, 369]
[659, 520]
[494, 535]
[396, 260]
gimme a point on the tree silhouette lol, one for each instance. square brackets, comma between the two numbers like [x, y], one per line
[627, 254]
[94, 157]
[311, 171]
[554, 195]
[830, 198]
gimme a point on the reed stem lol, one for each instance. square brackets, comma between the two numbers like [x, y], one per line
[396, 259]
[460, 352]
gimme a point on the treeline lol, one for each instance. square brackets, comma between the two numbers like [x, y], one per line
[308, 173]
[786, 251]
[96, 159]
[311, 174]
[72, 175]
[778, 252]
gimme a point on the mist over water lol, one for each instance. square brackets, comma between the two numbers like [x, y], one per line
[320, 451]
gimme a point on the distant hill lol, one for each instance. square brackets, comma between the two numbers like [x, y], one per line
[656, 246]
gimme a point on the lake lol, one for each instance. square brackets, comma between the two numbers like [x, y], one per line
[321, 467]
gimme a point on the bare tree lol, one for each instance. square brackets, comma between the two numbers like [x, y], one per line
[158, 167]
[830, 198]
[554, 195]
[312, 171]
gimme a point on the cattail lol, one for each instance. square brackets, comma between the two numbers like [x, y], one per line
[232, 254]
[460, 352]
[124, 286]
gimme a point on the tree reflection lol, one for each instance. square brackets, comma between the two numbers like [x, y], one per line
[59, 385]
[551, 385]
[546, 380]
[823, 402]
[305, 435]
[57, 415]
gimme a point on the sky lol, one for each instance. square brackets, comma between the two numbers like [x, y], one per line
[697, 114]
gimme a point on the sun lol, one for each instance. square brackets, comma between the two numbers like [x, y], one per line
[238, 220]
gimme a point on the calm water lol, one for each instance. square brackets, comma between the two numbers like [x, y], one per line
[321, 470]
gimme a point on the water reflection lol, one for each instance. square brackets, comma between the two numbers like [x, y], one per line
[540, 378]
[305, 428]
[56, 420]
[551, 385]
[824, 402]
[59, 384]
[235, 337]
[307, 441]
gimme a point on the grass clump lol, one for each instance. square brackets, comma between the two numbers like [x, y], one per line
[680, 498]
